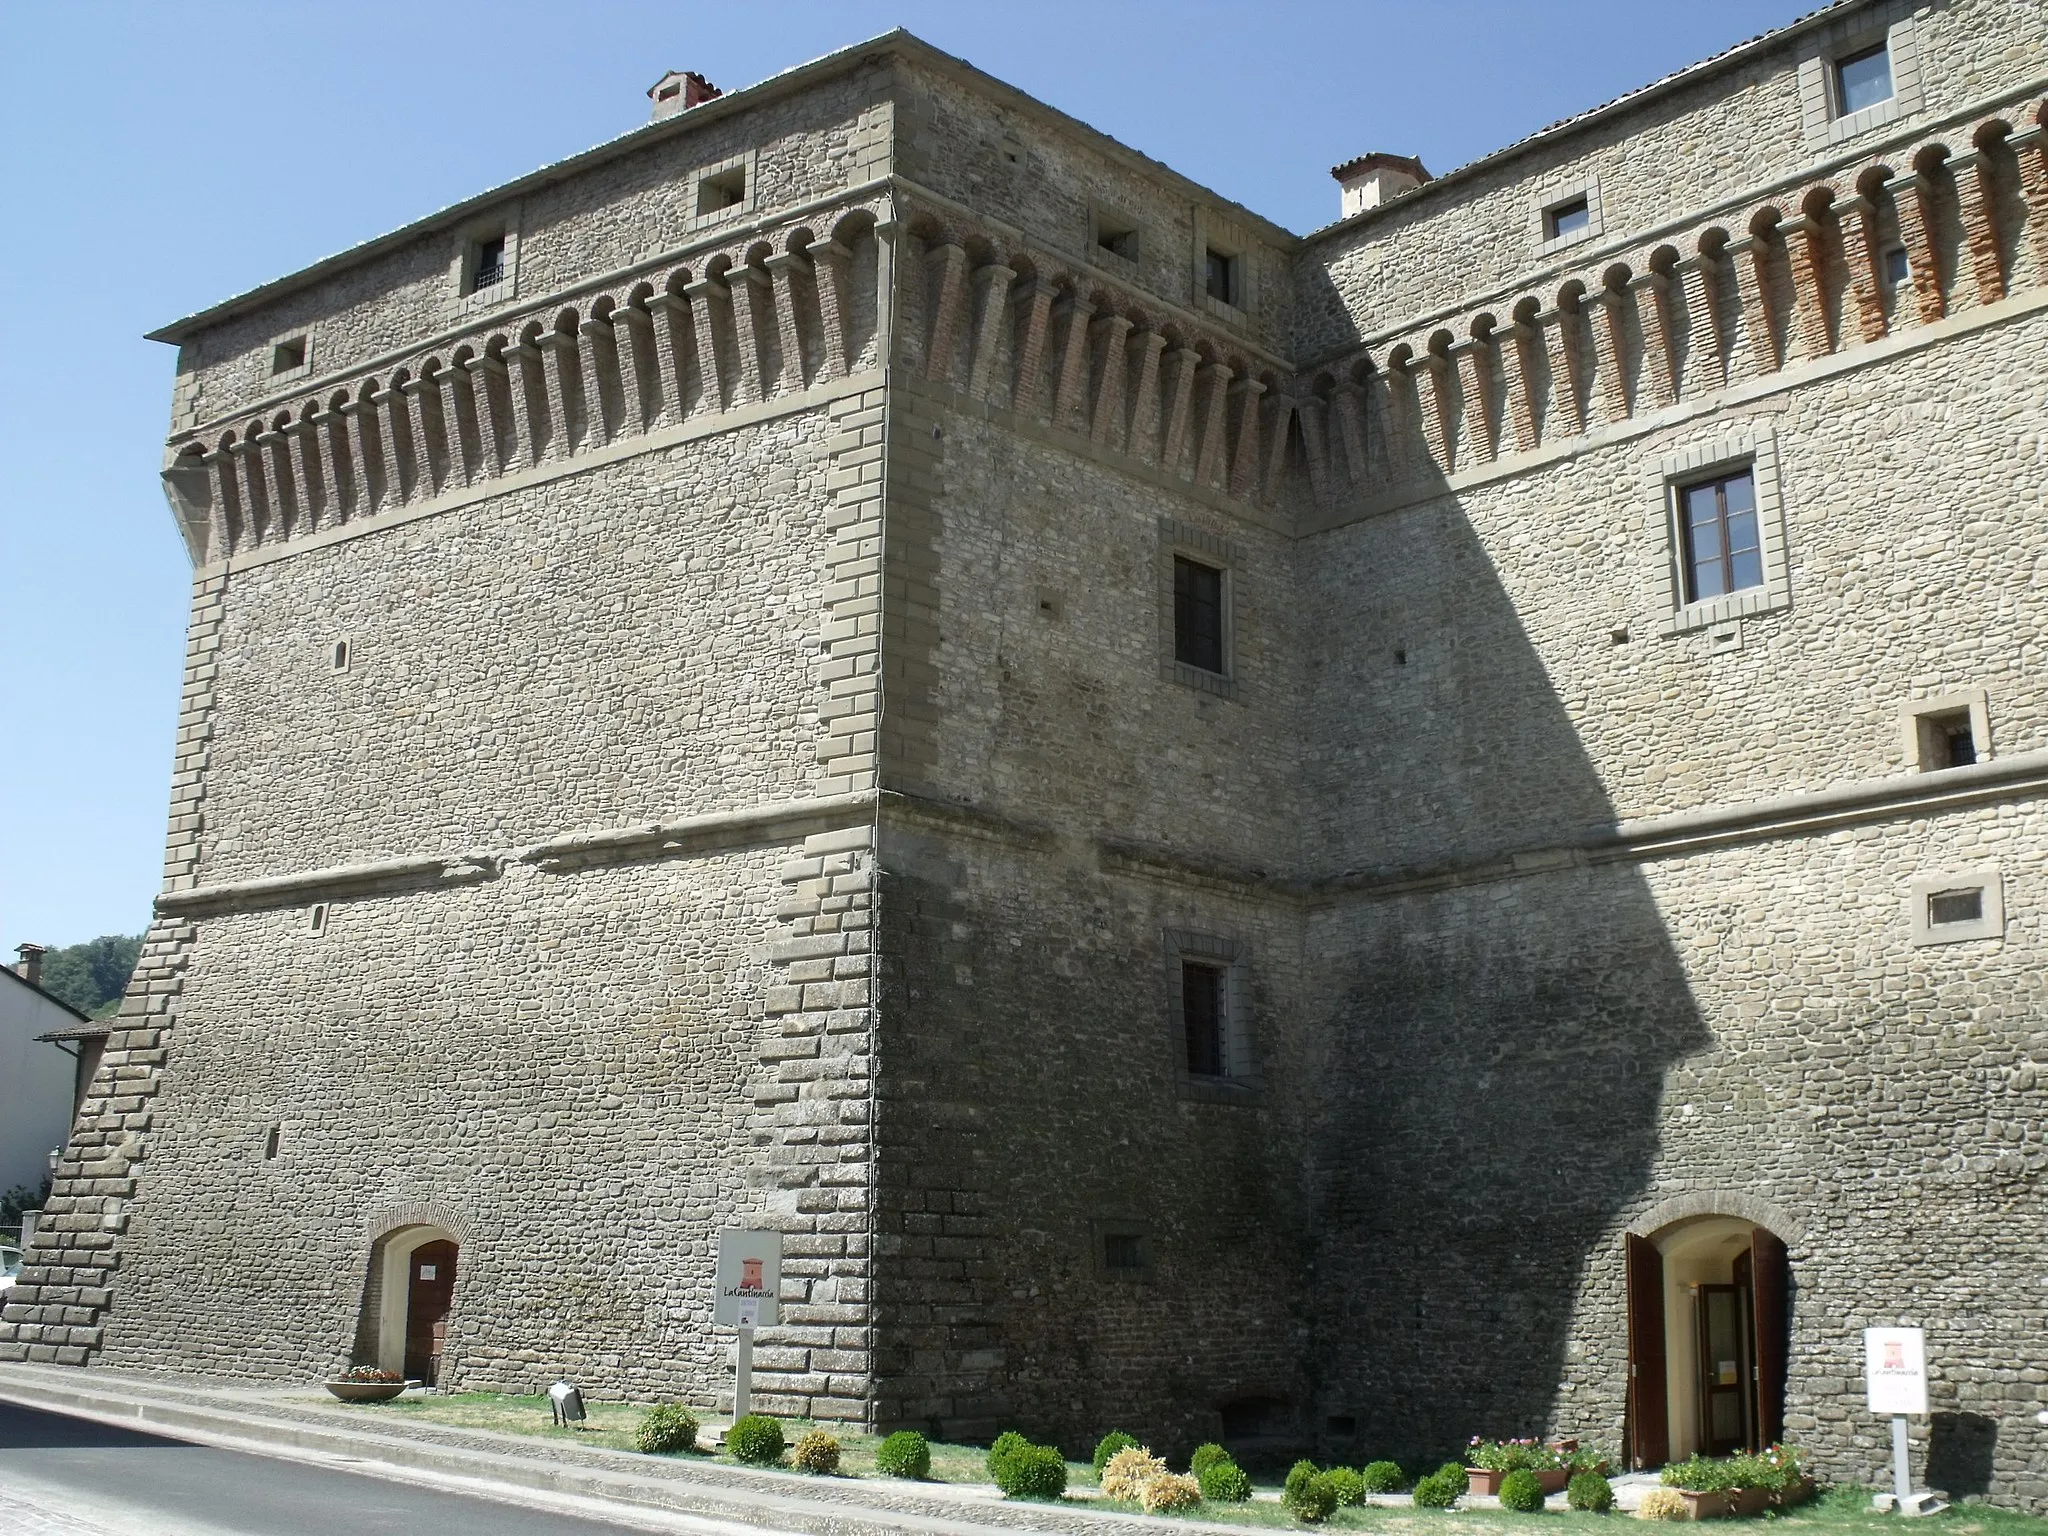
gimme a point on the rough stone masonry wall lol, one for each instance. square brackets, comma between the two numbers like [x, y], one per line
[1522, 1070]
[1729, 131]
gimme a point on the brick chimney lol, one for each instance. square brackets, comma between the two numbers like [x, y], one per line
[30, 965]
[1371, 179]
[680, 90]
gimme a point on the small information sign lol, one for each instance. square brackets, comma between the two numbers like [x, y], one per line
[1895, 1370]
[749, 1279]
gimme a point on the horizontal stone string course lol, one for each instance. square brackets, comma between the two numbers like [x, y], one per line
[743, 328]
[1793, 279]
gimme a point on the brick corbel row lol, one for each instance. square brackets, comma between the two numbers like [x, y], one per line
[740, 329]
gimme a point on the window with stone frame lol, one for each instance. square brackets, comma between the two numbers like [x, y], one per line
[1718, 508]
[1717, 524]
[1210, 1025]
[1955, 908]
[1199, 607]
[1863, 79]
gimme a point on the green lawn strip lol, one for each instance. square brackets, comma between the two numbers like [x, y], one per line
[1839, 1512]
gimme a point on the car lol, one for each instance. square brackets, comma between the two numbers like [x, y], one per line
[10, 1266]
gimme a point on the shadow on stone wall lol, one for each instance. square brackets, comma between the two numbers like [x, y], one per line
[1492, 1053]
[1962, 1450]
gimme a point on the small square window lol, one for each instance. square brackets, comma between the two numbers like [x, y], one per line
[1220, 276]
[316, 918]
[1116, 234]
[1947, 908]
[1567, 220]
[1950, 730]
[722, 189]
[1197, 614]
[487, 262]
[1956, 908]
[1123, 1250]
[288, 356]
[338, 657]
[1897, 269]
[1722, 548]
[1863, 79]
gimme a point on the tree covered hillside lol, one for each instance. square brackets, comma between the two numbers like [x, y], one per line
[92, 976]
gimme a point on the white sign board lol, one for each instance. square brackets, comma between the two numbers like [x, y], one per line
[1895, 1370]
[749, 1279]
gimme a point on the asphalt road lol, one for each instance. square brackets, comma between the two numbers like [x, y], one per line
[61, 1476]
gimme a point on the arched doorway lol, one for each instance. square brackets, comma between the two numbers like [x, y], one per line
[413, 1274]
[1708, 1320]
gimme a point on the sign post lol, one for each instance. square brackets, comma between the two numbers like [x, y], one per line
[1895, 1379]
[749, 1281]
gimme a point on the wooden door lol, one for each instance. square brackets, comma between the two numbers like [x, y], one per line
[1770, 1283]
[1722, 1326]
[1649, 1409]
[430, 1287]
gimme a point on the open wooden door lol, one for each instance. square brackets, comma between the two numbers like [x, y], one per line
[1769, 1276]
[1649, 1408]
[430, 1289]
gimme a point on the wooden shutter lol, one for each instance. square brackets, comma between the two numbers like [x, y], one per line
[1769, 1276]
[1649, 1410]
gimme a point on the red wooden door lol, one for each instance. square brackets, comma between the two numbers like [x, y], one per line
[1769, 1276]
[430, 1286]
[1649, 1409]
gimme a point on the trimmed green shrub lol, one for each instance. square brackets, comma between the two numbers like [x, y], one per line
[666, 1427]
[1590, 1492]
[1008, 1441]
[816, 1451]
[1033, 1472]
[1225, 1482]
[1522, 1491]
[1313, 1501]
[904, 1454]
[1297, 1474]
[1116, 1440]
[1383, 1477]
[1205, 1457]
[756, 1440]
[1437, 1491]
[1349, 1486]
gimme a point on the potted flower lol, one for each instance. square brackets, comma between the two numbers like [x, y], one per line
[366, 1384]
[1553, 1462]
[1739, 1486]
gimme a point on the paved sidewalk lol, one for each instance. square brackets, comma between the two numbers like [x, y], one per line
[697, 1495]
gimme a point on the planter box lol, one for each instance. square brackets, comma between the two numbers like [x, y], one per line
[1742, 1503]
[366, 1391]
[1479, 1480]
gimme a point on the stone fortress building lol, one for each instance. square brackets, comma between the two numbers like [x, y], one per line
[1335, 841]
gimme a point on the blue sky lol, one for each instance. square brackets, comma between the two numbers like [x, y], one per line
[157, 158]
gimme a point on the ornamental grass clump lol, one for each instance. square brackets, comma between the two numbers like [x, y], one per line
[1589, 1493]
[1116, 1440]
[816, 1451]
[1349, 1485]
[1125, 1474]
[1225, 1482]
[904, 1454]
[1170, 1493]
[1663, 1504]
[1522, 1491]
[666, 1427]
[1383, 1477]
[756, 1440]
[1032, 1472]
[1206, 1456]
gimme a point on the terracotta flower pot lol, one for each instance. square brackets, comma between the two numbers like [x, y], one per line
[1554, 1479]
[366, 1391]
[1480, 1480]
[1726, 1503]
